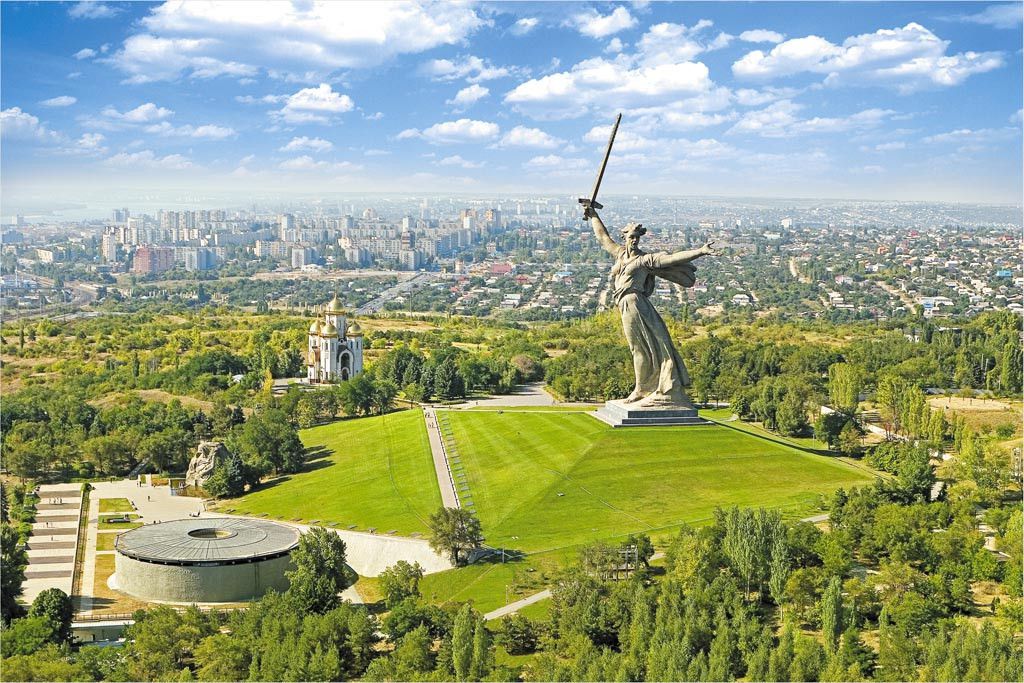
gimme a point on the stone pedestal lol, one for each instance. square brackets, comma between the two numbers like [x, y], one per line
[619, 414]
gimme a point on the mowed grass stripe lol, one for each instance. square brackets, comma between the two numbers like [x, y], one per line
[615, 482]
[374, 472]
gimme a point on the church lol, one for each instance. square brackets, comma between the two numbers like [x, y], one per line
[335, 347]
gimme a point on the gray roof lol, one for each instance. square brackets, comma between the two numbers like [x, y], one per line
[211, 539]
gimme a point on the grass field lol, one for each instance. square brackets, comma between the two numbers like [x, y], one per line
[372, 472]
[548, 481]
[116, 505]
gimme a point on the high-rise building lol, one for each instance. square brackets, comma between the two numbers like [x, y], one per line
[109, 246]
[150, 260]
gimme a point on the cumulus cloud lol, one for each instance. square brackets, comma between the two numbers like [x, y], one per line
[61, 101]
[524, 25]
[667, 43]
[306, 143]
[614, 46]
[208, 131]
[308, 163]
[973, 136]
[90, 9]
[472, 68]
[453, 132]
[20, 125]
[522, 136]
[89, 144]
[908, 58]
[592, 23]
[304, 41]
[85, 53]
[608, 83]
[761, 35]
[144, 113]
[148, 159]
[468, 96]
[314, 105]
[456, 160]
[781, 120]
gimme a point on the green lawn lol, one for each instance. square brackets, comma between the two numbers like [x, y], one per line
[116, 505]
[372, 472]
[548, 481]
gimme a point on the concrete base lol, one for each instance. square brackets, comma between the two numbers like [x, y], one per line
[619, 414]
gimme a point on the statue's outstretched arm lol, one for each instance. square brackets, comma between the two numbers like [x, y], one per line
[601, 232]
[686, 256]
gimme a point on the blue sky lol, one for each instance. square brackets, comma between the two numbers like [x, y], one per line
[851, 100]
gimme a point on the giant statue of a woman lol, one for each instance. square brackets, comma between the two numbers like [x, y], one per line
[661, 377]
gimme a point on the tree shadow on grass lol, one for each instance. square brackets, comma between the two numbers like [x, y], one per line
[316, 453]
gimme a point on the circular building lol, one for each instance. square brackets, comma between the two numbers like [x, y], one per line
[221, 559]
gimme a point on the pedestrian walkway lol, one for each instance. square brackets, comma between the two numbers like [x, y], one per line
[54, 540]
[445, 480]
[513, 607]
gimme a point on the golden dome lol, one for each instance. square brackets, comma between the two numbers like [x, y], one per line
[335, 306]
[328, 330]
[315, 327]
[354, 330]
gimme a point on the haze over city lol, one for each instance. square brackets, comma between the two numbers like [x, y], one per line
[188, 104]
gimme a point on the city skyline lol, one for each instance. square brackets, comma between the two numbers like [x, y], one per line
[911, 101]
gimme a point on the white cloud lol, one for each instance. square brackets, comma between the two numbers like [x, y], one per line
[89, 144]
[473, 69]
[890, 146]
[456, 160]
[553, 161]
[667, 43]
[143, 113]
[524, 25]
[1017, 117]
[147, 159]
[85, 53]
[609, 84]
[780, 120]
[208, 131]
[266, 99]
[90, 9]
[312, 144]
[1001, 15]
[468, 96]
[521, 136]
[614, 46]
[20, 125]
[592, 23]
[74, 74]
[460, 131]
[908, 58]
[973, 136]
[314, 105]
[375, 116]
[61, 101]
[762, 35]
[308, 163]
[301, 40]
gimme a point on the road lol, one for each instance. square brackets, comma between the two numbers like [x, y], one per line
[390, 293]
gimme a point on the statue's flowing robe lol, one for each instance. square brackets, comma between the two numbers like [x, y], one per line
[661, 376]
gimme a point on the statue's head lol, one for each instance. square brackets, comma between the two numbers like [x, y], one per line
[632, 234]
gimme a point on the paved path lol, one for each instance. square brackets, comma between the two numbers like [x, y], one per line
[517, 605]
[441, 468]
[54, 539]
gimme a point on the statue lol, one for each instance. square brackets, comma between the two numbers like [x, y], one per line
[209, 454]
[661, 377]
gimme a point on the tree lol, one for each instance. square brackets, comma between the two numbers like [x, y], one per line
[844, 386]
[832, 613]
[791, 417]
[453, 530]
[228, 479]
[828, 426]
[471, 649]
[26, 635]
[400, 581]
[916, 477]
[14, 561]
[55, 605]
[268, 443]
[320, 571]
[778, 570]
[520, 635]
[849, 438]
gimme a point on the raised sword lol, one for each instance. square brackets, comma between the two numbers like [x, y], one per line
[592, 201]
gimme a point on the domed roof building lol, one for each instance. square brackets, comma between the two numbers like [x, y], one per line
[335, 349]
